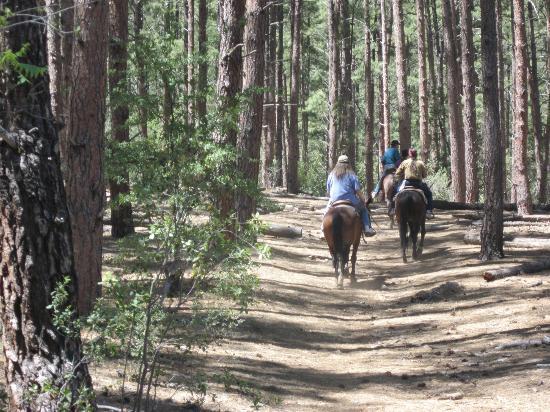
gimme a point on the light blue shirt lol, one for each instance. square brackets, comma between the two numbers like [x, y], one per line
[343, 188]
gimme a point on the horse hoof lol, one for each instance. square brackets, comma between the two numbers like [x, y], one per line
[353, 280]
[404, 259]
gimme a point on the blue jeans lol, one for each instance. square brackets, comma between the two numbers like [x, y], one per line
[364, 213]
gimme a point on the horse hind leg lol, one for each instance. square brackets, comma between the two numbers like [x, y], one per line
[353, 279]
[336, 265]
[340, 277]
[404, 239]
[414, 229]
[422, 235]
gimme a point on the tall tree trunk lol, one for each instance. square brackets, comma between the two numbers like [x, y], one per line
[83, 148]
[143, 113]
[306, 44]
[346, 99]
[191, 60]
[422, 82]
[401, 75]
[121, 211]
[40, 357]
[433, 131]
[202, 81]
[502, 101]
[229, 84]
[442, 143]
[369, 102]
[270, 104]
[535, 112]
[453, 101]
[55, 59]
[293, 142]
[492, 229]
[469, 95]
[520, 179]
[250, 123]
[333, 74]
[385, 86]
[280, 113]
[547, 139]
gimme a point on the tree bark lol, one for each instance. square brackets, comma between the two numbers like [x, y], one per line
[306, 76]
[250, 123]
[503, 106]
[293, 142]
[83, 148]
[385, 86]
[546, 170]
[333, 74]
[520, 179]
[469, 100]
[142, 88]
[422, 82]
[55, 59]
[347, 116]
[492, 229]
[369, 103]
[270, 104]
[35, 235]
[453, 102]
[535, 112]
[280, 113]
[202, 80]
[401, 75]
[191, 61]
[229, 84]
[121, 211]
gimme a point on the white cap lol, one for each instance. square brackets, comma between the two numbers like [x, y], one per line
[343, 159]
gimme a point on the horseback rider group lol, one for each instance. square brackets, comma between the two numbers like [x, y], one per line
[343, 184]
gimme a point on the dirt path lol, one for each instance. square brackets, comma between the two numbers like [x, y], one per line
[310, 347]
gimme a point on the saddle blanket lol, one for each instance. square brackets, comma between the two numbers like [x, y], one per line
[412, 189]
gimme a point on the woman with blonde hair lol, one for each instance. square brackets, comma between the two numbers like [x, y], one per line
[343, 184]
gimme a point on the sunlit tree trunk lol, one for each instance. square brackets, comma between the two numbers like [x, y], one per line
[270, 115]
[250, 122]
[422, 82]
[369, 101]
[536, 119]
[453, 102]
[191, 60]
[520, 179]
[280, 112]
[347, 111]
[401, 75]
[202, 80]
[385, 86]
[469, 100]
[492, 228]
[333, 75]
[83, 148]
[141, 76]
[501, 95]
[293, 142]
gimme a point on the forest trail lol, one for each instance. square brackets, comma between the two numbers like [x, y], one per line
[310, 347]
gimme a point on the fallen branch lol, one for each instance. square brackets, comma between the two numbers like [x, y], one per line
[473, 238]
[283, 231]
[525, 268]
[525, 343]
[446, 205]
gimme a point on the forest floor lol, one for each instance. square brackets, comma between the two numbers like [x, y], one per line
[307, 346]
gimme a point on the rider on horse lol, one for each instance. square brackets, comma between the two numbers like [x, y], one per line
[343, 184]
[390, 161]
[413, 171]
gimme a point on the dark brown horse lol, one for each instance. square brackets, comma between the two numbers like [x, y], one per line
[410, 211]
[342, 228]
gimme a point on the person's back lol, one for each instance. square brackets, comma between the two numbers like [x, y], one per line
[391, 157]
[343, 184]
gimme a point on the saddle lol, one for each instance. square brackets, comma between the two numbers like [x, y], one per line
[413, 189]
[344, 203]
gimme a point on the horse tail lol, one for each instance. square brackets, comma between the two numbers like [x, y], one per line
[337, 235]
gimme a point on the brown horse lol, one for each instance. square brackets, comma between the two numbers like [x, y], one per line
[387, 187]
[410, 210]
[342, 228]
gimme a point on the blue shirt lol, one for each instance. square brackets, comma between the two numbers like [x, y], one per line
[391, 156]
[343, 188]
